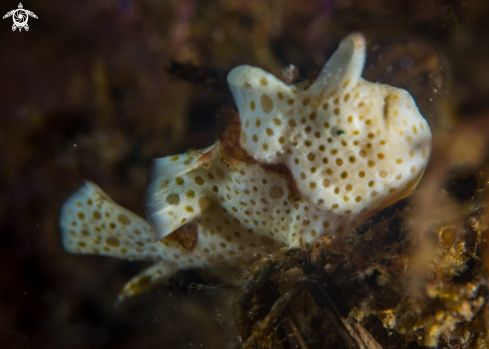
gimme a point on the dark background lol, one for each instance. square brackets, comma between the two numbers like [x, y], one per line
[95, 90]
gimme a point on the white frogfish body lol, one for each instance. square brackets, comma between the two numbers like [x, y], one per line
[298, 163]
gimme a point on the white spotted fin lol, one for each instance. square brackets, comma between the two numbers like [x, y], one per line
[165, 174]
[175, 165]
[249, 84]
[148, 279]
[344, 68]
[91, 223]
[257, 95]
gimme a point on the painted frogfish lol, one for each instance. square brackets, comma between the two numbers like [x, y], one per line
[297, 163]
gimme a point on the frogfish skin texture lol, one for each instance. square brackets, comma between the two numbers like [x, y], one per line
[297, 163]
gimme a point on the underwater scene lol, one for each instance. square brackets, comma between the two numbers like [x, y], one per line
[244, 174]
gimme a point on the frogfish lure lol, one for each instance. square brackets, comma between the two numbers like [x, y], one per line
[297, 163]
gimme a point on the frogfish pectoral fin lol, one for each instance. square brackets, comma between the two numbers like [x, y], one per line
[148, 279]
[92, 223]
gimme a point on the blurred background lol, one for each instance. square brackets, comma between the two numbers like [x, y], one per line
[95, 90]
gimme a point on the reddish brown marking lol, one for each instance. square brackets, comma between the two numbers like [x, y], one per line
[204, 157]
[229, 139]
[285, 172]
[231, 163]
[187, 236]
[230, 145]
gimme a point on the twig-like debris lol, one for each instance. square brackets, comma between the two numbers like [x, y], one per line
[259, 277]
[265, 326]
[295, 338]
[352, 332]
